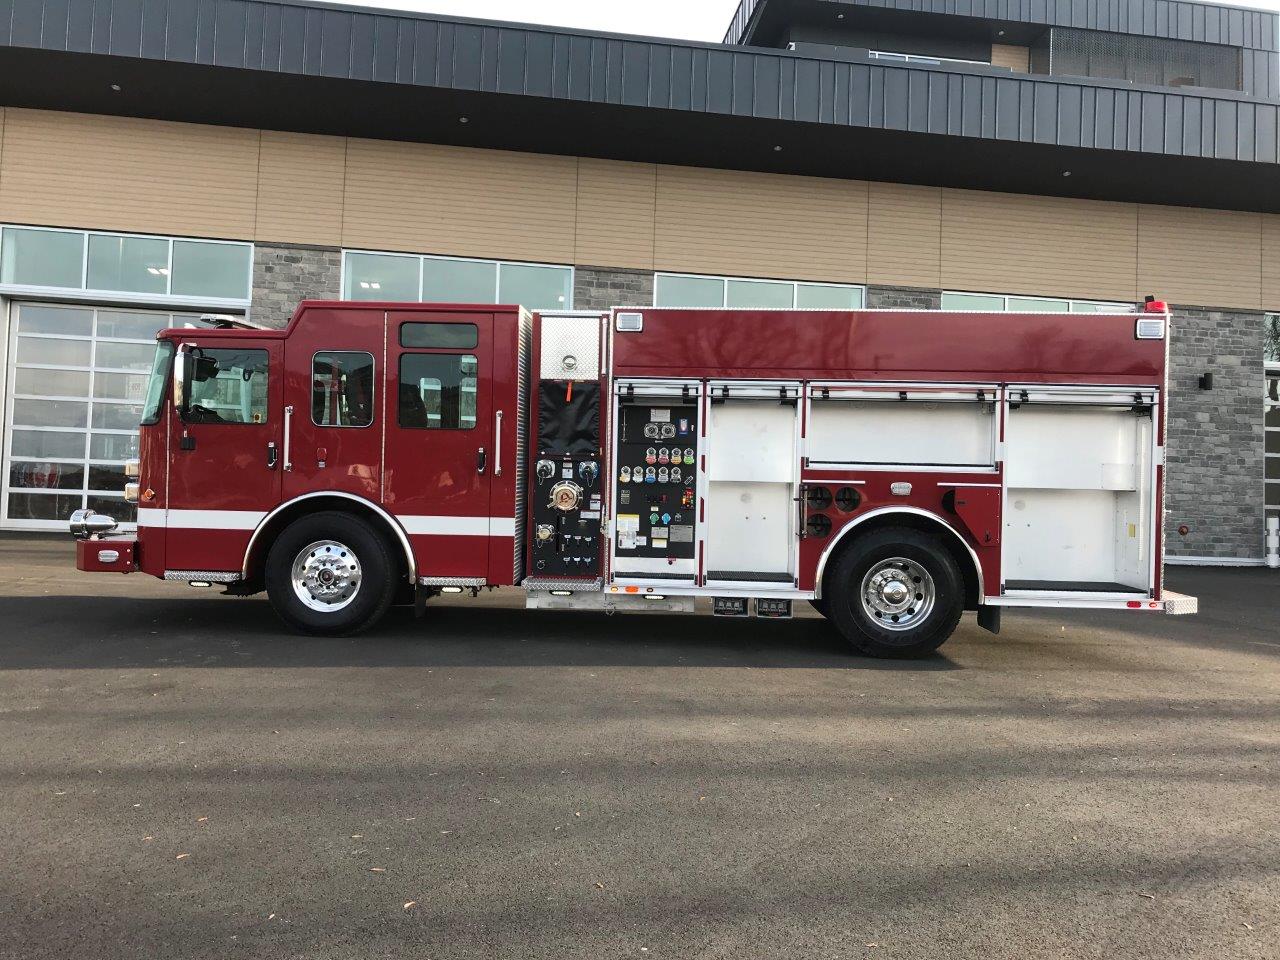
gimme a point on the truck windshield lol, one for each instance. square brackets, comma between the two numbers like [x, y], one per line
[160, 367]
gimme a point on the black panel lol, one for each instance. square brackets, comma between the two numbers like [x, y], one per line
[656, 489]
[565, 484]
[1072, 586]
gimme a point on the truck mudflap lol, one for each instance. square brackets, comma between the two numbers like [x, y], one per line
[107, 555]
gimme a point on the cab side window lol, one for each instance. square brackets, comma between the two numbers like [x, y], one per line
[342, 386]
[438, 391]
[228, 386]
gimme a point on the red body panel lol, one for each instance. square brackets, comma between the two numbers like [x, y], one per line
[889, 345]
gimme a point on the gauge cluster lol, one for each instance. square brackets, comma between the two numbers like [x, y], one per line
[655, 487]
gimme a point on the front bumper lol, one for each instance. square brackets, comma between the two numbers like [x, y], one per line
[107, 555]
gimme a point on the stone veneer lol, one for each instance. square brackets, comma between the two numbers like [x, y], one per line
[285, 274]
[1215, 445]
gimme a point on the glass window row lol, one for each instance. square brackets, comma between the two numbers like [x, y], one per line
[411, 278]
[690, 290]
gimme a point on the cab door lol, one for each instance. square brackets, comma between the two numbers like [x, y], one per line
[224, 452]
[440, 454]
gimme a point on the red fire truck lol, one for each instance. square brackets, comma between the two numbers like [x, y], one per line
[892, 468]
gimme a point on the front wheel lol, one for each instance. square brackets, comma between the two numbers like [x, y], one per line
[896, 592]
[330, 574]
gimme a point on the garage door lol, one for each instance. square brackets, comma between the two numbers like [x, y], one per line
[75, 381]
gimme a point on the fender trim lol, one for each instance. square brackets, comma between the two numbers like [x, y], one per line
[387, 518]
[889, 511]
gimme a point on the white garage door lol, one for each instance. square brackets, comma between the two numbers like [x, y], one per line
[75, 381]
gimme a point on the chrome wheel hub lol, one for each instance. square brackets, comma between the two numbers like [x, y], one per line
[326, 575]
[897, 593]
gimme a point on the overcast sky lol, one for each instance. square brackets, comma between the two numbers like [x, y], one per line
[685, 19]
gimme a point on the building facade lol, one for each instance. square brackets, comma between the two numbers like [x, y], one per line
[161, 159]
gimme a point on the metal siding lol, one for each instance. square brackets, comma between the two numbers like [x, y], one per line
[511, 59]
[228, 32]
[255, 15]
[100, 36]
[25, 18]
[362, 47]
[386, 48]
[539, 64]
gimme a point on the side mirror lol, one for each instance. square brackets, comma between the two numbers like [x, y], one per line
[182, 379]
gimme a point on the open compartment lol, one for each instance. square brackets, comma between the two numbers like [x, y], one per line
[1079, 508]
[885, 426]
[752, 477]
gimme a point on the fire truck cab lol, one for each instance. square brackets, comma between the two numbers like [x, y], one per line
[892, 468]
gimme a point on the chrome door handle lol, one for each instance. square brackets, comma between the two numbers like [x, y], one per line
[288, 434]
[480, 460]
[497, 444]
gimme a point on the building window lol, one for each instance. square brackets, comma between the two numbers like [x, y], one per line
[78, 377]
[692, 290]
[417, 279]
[1000, 303]
[125, 266]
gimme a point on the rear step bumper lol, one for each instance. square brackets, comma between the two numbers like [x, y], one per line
[1175, 604]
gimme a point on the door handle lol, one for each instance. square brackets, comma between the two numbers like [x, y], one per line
[480, 460]
[273, 455]
[497, 444]
[288, 436]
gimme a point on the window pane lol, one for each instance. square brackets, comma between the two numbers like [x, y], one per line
[228, 386]
[342, 390]
[157, 382]
[106, 477]
[131, 326]
[114, 507]
[33, 474]
[1029, 305]
[437, 391]
[120, 386]
[813, 296]
[753, 293]
[439, 336]
[124, 356]
[1273, 441]
[42, 258]
[50, 413]
[64, 353]
[1271, 338]
[43, 506]
[67, 321]
[113, 446]
[128, 263]
[1273, 494]
[458, 281]
[210, 269]
[117, 416]
[372, 276]
[538, 288]
[52, 383]
[1082, 306]
[46, 443]
[672, 291]
[973, 301]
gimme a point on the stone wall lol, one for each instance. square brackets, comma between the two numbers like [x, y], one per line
[903, 298]
[286, 274]
[1214, 452]
[599, 288]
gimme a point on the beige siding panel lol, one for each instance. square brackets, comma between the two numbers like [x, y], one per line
[761, 225]
[1017, 59]
[1194, 257]
[616, 203]
[300, 188]
[905, 231]
[1012, 243]
[121, 173]
[460, 201]
[1271, 262]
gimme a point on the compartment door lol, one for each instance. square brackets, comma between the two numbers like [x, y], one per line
[1079, 514]
[753, 475]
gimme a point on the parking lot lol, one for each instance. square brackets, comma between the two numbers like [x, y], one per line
[183, 779]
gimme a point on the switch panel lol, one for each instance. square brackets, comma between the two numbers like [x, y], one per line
[655, 499]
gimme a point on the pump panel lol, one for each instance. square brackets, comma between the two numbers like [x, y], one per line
[656, 499]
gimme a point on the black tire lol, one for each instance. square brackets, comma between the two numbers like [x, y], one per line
[356, 547]
[907, 562]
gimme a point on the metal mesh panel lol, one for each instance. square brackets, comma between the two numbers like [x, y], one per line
[1147, 60]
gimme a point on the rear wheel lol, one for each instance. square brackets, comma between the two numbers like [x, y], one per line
[896, 592]
[330, 574]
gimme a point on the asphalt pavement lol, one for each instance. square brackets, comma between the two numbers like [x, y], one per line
[182, 778]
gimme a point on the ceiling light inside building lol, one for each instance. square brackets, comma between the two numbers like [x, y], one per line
[1066, 173]
[778, 148]
[464, 119]
[115, 87]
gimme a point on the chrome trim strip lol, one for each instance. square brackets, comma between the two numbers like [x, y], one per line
[883, 511]
[453, 582]
[212, 576]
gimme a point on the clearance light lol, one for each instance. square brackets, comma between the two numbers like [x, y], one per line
[450, 589]
[654, 596]
[562, 593]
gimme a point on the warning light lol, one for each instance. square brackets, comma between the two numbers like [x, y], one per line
[633, 589]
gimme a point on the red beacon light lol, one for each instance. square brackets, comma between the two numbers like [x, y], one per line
[1151, 322]
[1152, 305]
